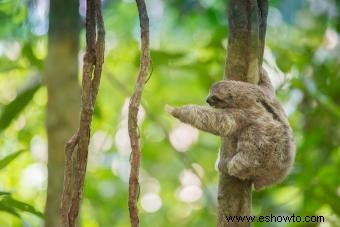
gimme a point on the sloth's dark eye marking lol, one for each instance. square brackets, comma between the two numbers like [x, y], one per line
[214, 98]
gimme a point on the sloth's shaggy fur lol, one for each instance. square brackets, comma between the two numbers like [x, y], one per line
[250, 115]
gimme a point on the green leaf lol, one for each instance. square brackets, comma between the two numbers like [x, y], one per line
[163, 57]
[12, 109]
[27, 51]
[13, 203]
[9, 210]
[5, 193]
[8, 159]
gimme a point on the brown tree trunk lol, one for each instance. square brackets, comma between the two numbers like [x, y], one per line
[247, 27]
[63, 104]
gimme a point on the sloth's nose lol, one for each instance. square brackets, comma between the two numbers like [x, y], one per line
[210, 100]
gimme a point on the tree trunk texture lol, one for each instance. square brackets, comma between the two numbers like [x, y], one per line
[63, 104]
[246, 40]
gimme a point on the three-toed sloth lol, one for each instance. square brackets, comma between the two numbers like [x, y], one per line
[250, 115]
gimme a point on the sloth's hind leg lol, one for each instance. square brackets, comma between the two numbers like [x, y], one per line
[244, 164]
[239, 167]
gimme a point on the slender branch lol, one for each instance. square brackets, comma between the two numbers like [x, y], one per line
[92, 67]
[133, 111]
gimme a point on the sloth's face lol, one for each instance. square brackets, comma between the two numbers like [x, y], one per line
[215, 100]
[231, 94]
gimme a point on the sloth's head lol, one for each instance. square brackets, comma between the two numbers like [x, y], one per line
[232, 94]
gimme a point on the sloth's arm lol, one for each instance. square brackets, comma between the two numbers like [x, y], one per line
[215, 121]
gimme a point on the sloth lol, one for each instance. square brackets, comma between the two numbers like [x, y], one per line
[250, 115]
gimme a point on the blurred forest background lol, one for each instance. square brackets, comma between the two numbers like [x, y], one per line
[178, 174]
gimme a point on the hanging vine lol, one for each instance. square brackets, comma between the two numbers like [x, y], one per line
[133, 111]
[76, 149]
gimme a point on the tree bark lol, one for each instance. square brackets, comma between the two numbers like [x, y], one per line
[263, 6]
[63, 91]
[247, 26]
[77, 146]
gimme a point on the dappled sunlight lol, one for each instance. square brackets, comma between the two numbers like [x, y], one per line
[38, 17]
[151, 202]
[150, 185]
[189, 193]
[11, 50]
[190, 189]
[39, 149]
[329, 49]
[122, 141]
[34, 176]
[187, 177]
[120, 166]
[274, 17]
[183, 136]
[101, 141]
[331, 39]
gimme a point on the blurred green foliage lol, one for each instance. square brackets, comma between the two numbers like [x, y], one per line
[178, 176]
